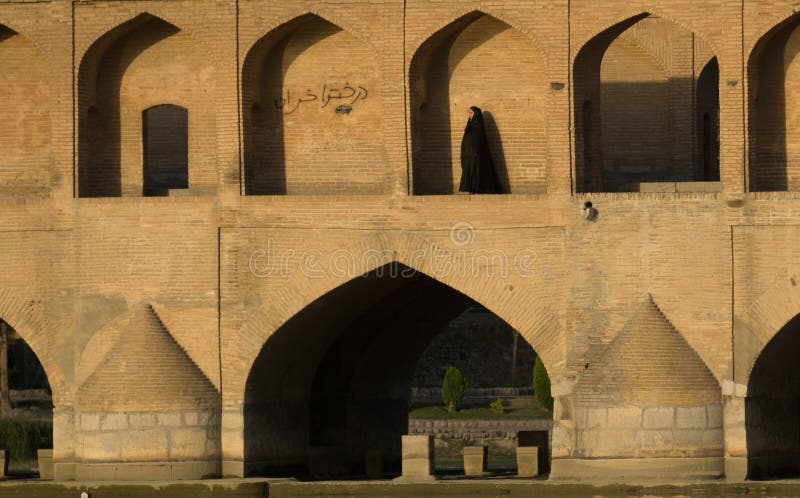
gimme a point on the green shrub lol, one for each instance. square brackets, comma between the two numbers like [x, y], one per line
[22, 436]
[453, 389]
[541, 385]
[497, 406]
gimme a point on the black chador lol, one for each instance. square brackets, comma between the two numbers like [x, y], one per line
[477, 169]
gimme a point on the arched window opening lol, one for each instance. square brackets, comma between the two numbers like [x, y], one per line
[772, 408]
[165, 140]
[448, 74]
[639, 78]
[774, 72]
[26, 407]
[361, 346]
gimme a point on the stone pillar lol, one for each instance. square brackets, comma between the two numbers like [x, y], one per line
[63, 442]
[232, 441]
[417, 458]
[735, 438]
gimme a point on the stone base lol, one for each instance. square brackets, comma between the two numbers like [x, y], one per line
[45, 464]
[417, 457]
[232, 468]
[736, 468]
[475, 458]
[637, 469]
[4, 458]
[147, 471]
[527, 461]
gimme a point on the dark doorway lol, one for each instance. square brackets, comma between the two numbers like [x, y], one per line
[165, 130]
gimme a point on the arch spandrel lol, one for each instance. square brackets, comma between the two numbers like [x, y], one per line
[534, 320]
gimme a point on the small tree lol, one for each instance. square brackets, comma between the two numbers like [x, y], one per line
[541, 385]
[453, 389]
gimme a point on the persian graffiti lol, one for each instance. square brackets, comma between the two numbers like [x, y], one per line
[349, 94]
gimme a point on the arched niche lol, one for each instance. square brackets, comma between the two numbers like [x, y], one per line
[774, 107]
[333, 381]
[459, 67]
[637, 104]
[312, 112]
[25, 102]
[135, 66]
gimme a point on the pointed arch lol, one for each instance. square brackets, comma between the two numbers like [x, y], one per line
[538, 324]
[773, 68]
[26, 108]
[27, 319]
[447, 75]
[650, 58]
[141, 62]
[311, 80]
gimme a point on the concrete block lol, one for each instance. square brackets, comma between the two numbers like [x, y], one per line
[527, 461]
[714, 416]
[45, 464]
[150, 444]
[142, 420]
[417, 457]
[624, 417]
[654, 443]
[658, 418]
[475, 460]
[90, 422]
[187, 444]
[689, 439]
[692, 417]
[616, 443]
[596, 418]
[4, 458]
[170, 420]
[113, 422]
[101, 447]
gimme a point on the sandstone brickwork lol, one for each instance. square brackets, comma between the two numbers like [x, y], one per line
[182, 328]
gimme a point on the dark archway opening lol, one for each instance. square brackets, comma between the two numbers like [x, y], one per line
[165, 143]
[26, 406]
[334, 382]
[772, 408]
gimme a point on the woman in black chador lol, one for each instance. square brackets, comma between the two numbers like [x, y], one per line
[477, 170]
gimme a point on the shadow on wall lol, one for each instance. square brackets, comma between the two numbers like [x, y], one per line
[458, 67]
[637, 121]
[774, 70]
[99, 92]
[496, 148]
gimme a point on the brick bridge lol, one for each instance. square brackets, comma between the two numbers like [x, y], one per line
[229, 226]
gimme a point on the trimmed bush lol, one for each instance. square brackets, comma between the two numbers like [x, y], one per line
[541, 385]
[22, 436]
[453, 389]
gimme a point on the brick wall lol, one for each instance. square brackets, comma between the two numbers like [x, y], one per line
[720, 265]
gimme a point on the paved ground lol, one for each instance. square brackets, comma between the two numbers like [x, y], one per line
[461, 488]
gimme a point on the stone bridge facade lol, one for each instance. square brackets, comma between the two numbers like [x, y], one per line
[229, 226]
